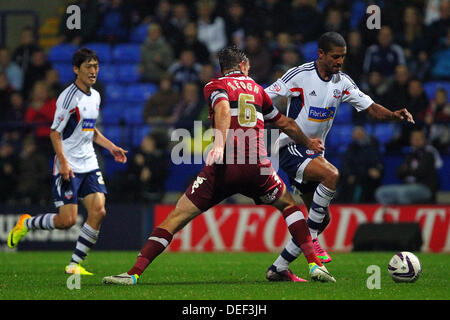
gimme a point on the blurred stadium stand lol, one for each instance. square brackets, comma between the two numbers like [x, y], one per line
[125, 96]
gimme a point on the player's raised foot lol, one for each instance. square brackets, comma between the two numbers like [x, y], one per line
[18, 232]
[76, 268]
[286, 275]
[123, 279]
[320, 252]
[320, 273]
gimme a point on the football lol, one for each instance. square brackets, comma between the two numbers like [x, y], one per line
[404, 267]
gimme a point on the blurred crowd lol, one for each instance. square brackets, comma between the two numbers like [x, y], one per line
[178, 53]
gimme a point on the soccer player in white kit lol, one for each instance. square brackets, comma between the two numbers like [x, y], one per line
[314, 92]
[76, 173]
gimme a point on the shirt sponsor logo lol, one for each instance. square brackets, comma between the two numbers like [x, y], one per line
[317, 114]
[88, 125]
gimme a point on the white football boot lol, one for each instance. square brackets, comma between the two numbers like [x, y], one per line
[318, 273]
[123, 278]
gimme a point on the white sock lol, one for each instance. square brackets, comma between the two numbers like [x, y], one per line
[88, 237]
[41, 222]
[321, 201]
[289, 254]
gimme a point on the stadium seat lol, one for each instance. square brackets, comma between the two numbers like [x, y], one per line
[358, 14]
[127, 52]
[339, 137]
[62, 53]
[444, 171]
[111, 114]
[128, 73]
[309, 51]
[139, 33]
[108, 73]
[103, 51]
[65, 72]
[431, 87]
[133, 114]
[384, 132]
[139, 93]
[180, 176]
[115, 133]
[115, 93]
[390, 164]
[344, 114]
[139, 132]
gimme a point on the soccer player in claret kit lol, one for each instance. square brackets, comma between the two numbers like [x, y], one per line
[236, 103]
[76, 174]
[314, 92]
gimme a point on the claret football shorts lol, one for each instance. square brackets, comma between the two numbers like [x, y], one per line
[217, 182]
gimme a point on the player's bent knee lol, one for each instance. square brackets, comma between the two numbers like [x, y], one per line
[335, 174]
[101, 212]
[332, 176]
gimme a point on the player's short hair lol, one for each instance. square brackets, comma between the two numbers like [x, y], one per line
[230, 57]
[82, 55]
[329, 40]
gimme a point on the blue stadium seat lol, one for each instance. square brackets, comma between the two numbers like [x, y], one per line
[339, 137]
[128, 73]
[391, 163]
[115, 93]
[443, 172]
[358, 13]
[127, 52]
[140, 93]
[103, 51]
[180, 176]
[65, 72]
[139, 33]
[344, 114]
[133, 114]
[108, 73]
[139, 132]
[115, 133]
[62, 53]
[111, 114]
[431, 87]
[309, 51]
[384, 132]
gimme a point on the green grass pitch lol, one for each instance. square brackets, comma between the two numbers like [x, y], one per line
[214, 276]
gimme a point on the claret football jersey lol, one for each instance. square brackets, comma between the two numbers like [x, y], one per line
[250, 106]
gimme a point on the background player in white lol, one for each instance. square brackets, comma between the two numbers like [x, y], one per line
[314, 92]
[76, 172]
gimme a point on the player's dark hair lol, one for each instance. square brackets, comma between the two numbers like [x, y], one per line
[230, 58]
[329, 40]
[82, 55]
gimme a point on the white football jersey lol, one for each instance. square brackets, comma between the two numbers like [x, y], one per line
[314, 102]
[75, 117]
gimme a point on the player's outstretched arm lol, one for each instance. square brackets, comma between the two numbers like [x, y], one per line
[378, 112]
[118, 153]
[290, 127]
